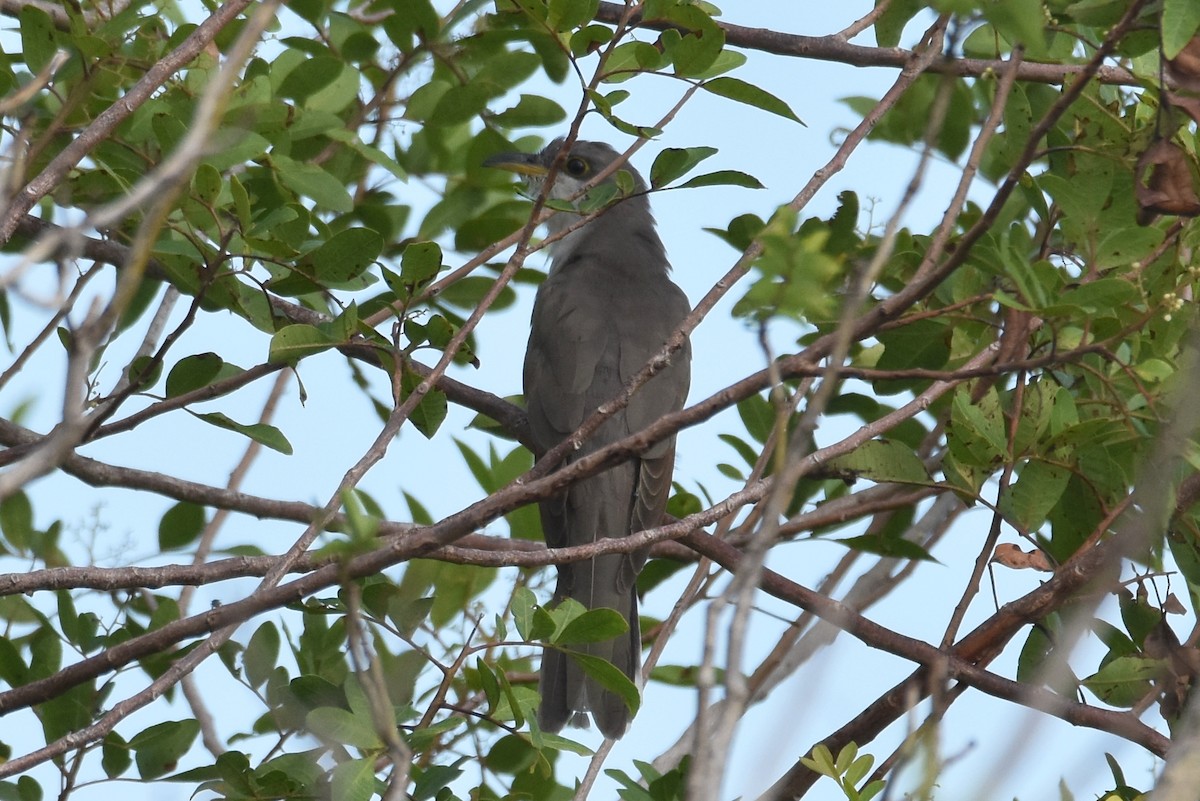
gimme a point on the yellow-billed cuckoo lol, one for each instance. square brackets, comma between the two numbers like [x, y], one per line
[606, 307]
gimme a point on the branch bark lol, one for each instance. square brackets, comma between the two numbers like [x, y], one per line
[835, 48]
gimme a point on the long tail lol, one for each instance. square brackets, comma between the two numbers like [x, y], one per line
[567, 691]
[596, 508]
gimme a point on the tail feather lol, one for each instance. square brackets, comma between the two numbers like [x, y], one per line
[568, 693]
[599, 507]
[625, 652]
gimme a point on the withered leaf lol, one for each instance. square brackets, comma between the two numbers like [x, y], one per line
[1184, 69]
[1188, 104]
[1169, 188]
[1010, 555]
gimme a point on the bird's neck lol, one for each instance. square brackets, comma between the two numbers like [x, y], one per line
[622, 236]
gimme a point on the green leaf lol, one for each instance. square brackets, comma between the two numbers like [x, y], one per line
[609, 677]
[890, 24]
[1019, 21]
[896, 547]
[344, 256]
[309, 77]
[1186, 552]
[589, 39]
[354, 780]
[261, 433]
[523, 604]
[231, 147]
[821, 761]
[543, 624]
[758, 416]
[45, 653]
[1180, 21]
[157, 749]
[466, 293]
[206, 183]
[489, 683]
[193, 372]
[292, 343]
[680, 675]
[69, 711]
[751, 95]
[726, 61]
[432, 781]
[13, 669]
[369, 152]
[462, 104]
[976, 434]
[420, 262]
[339, 94]
[181, 525]
[510, 754]
[626, 60]
[1038, 645]
[16, 520]
[563, 15]
[674, 162]
[37, 36]
[1026, 503]
[1124, 681]
[596, 625]
[143, 372]
[115, 755]
[723, 178]
[312, 182]
[531, 111]
[336, 725]
[920, 344]
[261, 654]
[883, 460]
[413, 17]
[430, 410]
[1095, 297]
[693, 53]
[749, 455]
[858, 769]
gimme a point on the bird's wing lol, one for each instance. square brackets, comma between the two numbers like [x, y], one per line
[659, 309]
[572, 358]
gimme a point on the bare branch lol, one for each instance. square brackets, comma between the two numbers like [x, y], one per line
[835, 48]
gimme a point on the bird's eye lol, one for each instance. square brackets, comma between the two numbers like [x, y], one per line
[576, 166]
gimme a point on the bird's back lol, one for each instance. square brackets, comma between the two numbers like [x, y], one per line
[595, 325]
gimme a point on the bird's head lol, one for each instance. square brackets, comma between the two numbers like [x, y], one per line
[581, 164]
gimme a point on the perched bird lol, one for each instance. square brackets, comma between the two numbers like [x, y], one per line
[606, 307]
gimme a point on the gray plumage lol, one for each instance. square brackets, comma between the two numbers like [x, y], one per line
[606, 307]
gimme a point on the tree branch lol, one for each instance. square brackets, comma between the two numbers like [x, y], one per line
[962, 660]
[510, 417]
[836, 49]
[107, 121]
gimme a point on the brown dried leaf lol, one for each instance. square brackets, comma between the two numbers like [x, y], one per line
[1186, 103]
[1169, 189]
[1184, 69]
[1173, 606]
[1180, 671]
[1010, 555]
